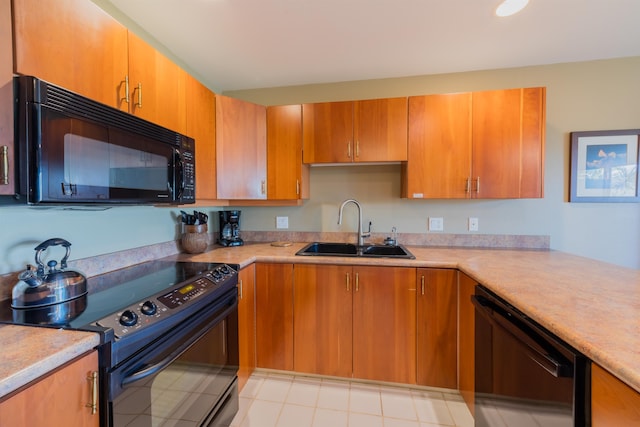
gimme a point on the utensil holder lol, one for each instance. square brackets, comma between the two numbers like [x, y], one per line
[194, 238]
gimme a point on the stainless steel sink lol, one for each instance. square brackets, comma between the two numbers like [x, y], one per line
[351, 250]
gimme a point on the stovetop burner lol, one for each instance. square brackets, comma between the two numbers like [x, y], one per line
[111, 292]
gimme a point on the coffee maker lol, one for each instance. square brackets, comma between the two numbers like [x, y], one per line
[230, 228]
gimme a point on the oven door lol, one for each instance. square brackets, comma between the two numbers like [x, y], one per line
[523, 374]
[187, 377]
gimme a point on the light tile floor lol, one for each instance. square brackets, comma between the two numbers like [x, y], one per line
[280, 400]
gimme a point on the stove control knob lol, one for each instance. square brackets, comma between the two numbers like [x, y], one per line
[128, 318]
[225, 269]
[149, 308]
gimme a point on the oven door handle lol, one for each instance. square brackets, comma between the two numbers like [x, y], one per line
[156, 367]
[526, 336]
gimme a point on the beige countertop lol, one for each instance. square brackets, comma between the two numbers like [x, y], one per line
[29, 352]
[593, 306]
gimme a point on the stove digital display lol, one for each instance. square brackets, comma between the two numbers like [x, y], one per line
[187, 289]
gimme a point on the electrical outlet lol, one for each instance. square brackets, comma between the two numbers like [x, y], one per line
[282, 222]
[473, 224]
[436, 224]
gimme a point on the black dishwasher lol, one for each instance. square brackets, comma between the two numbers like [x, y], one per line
[524, 375]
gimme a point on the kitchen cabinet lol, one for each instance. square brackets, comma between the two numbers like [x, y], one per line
[355, 131]
[156, 86]
[287, 176]
[355, 321]
[201, 126]
[439, 147]
[322, 315]
[62, 398]
[241, 149]
[384, 324]
[437, 332]
[466, 339]
[476, 145]
[83, 49]
[613, 403]
[7, 157]
[274, 316]
[79, 47]
[246, 324]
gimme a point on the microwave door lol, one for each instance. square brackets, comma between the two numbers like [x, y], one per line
[73, 160]
[140, 168]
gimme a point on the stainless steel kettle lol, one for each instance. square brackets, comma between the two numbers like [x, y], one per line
[39, 288]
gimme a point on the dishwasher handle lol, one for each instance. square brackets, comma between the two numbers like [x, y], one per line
[535, 346]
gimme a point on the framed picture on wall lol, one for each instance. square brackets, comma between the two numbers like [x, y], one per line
[604, 166]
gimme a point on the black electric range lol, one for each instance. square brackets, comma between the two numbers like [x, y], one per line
[134, 303]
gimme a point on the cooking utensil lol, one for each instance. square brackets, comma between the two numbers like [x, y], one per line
[50, 292]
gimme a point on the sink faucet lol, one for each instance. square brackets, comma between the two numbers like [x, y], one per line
[361, 235]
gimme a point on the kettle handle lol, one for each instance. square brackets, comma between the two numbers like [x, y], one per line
[52, 242]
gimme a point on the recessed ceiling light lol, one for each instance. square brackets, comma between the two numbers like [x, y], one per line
[511, 7]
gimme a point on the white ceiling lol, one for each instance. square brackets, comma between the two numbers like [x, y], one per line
[246, 44]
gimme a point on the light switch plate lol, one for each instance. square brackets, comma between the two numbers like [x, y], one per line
[473, 224]
[282, 222]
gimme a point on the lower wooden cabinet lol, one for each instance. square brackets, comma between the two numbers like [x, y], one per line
[613, 403]
[274, 316]
[437, 327]
[62, 398]
[355, 321]
[323, 315]
[466, 339]
[246, 324]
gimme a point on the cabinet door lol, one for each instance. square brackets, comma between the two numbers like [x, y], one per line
[380, 130]
[384, 324]
[79, 47]
[241, 147]
[274, 316]
[508, 143]
[613, 403]
[156, 86]
[59, 399]
[322, 315]
[439, 147]
[466, 339]
[7, 163]
[437, 328]
[327, 129]
[287, 177]
[201, 126]
[246, 324]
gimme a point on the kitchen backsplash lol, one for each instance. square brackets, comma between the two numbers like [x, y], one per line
[108, 262]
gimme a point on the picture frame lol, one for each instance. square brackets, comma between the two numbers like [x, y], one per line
[604, 166]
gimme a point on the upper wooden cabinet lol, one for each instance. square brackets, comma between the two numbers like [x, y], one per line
[241, 147]
[79, 47]
[201, 126]
[7, 160]
[83, 49]
[439, 147]
[287, 176]
[476, 145]
[355, 131]
[156, 86]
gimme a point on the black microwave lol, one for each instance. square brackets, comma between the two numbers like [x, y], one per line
[72, 149]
